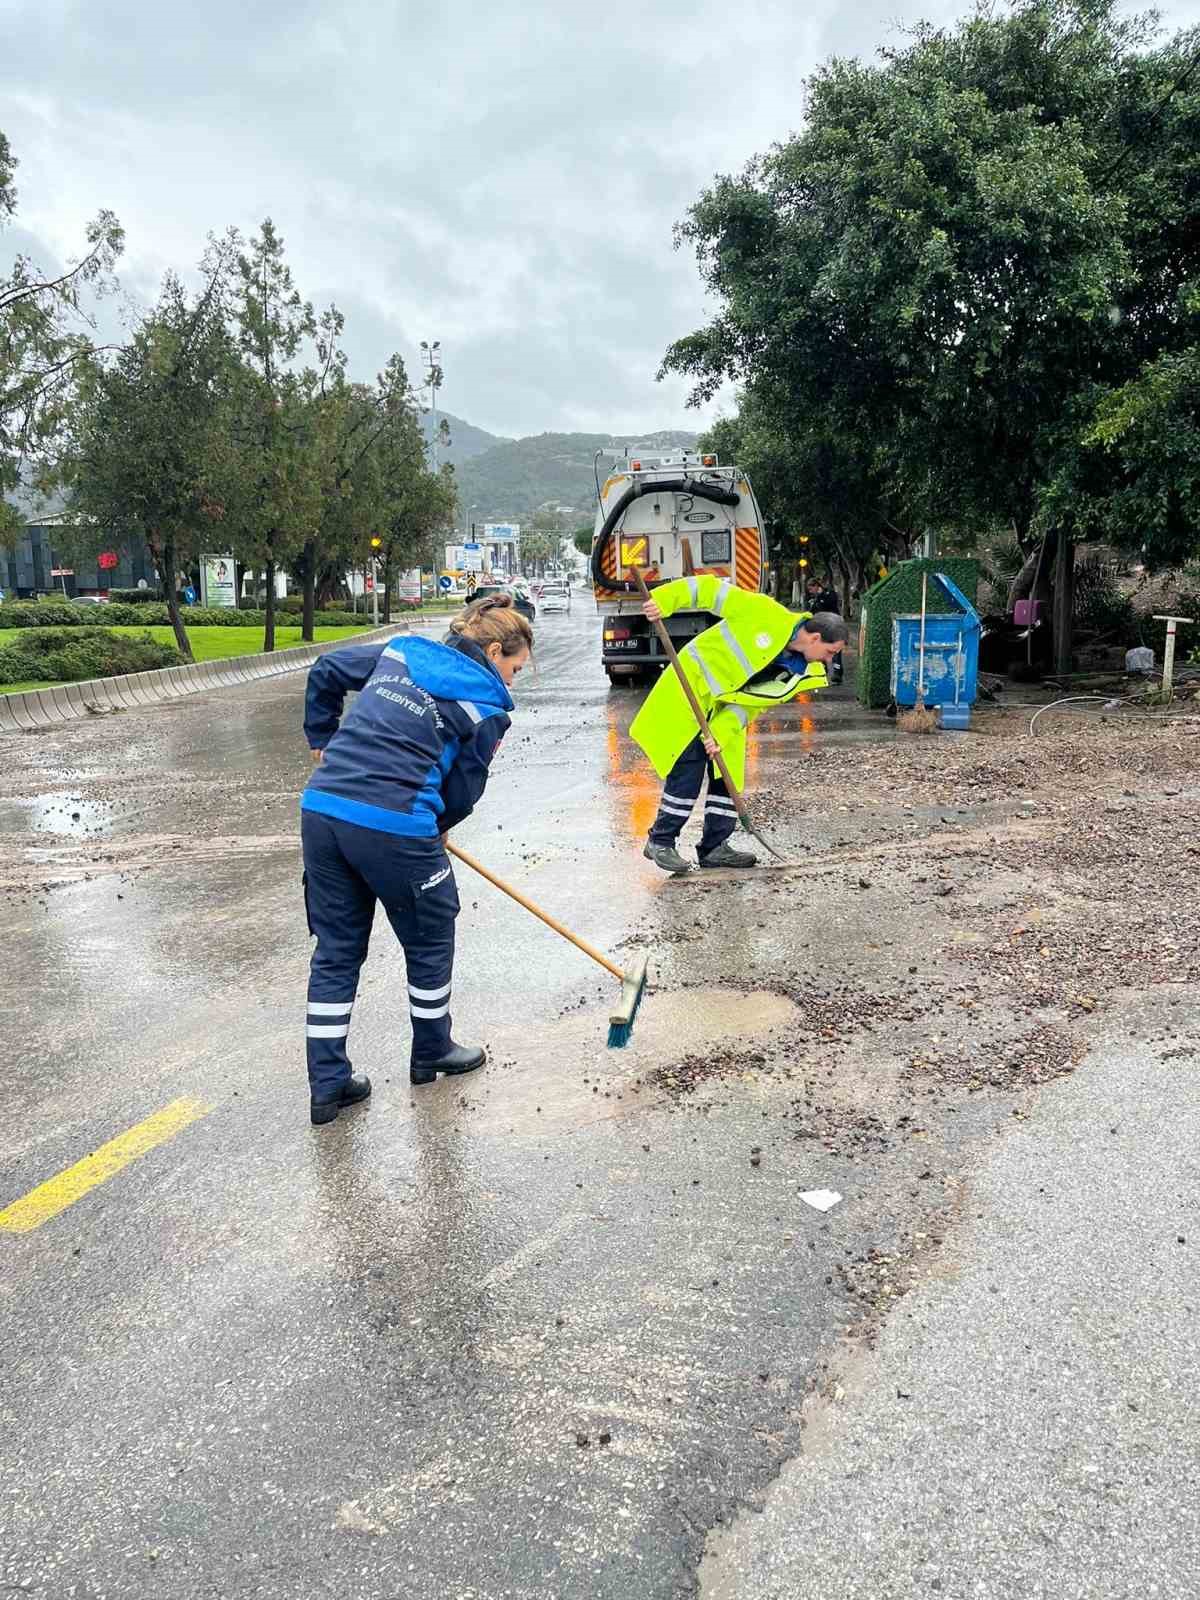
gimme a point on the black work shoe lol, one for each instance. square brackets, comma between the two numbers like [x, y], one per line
[350, 1093]
[665, 856]
[459, 1058]
[726, 856]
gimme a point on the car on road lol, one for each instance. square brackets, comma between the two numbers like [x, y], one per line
[90, 599]
[556, 597]
[522, 599]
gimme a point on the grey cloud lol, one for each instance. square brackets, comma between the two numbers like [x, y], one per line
[502, 177]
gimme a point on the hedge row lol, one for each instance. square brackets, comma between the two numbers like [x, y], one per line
[56, 614]
[85, 653]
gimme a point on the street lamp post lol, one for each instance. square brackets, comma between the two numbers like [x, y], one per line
[432, 360]
[376, 543]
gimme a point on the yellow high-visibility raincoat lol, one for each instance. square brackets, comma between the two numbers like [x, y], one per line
[753, 630]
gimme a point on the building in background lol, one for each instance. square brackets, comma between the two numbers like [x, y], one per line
[32, 564]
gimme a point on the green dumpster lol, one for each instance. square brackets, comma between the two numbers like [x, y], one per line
[900, 594]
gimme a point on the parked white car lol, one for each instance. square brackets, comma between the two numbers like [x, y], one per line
[556, 597]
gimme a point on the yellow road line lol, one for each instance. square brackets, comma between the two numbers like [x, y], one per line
[61, 1191]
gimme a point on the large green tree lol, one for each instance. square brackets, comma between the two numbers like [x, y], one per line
[149, 451]
[278, 483]
[936, 289]
[382, 484]
[46, 332]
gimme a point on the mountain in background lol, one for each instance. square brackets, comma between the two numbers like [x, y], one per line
[511, 479]
[465, 441]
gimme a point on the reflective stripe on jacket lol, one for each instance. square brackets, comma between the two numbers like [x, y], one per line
[752, 631]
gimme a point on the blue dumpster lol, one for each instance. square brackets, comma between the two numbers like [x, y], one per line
[951, 657]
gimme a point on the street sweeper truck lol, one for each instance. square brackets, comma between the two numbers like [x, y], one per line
[674, 515]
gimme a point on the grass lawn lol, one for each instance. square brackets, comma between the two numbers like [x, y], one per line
[211, 644]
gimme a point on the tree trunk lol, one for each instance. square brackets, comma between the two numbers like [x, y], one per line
[163, 551]
[860, 576]
[1064, 603]
[269, 630]
[844, 573]
[1035, 581]
[308, 562]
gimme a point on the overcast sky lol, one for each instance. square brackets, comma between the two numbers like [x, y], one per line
[498, 176]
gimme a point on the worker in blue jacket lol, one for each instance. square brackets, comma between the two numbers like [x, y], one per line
[408, 763]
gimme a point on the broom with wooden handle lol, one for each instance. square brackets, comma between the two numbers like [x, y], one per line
[919, 718]
[633, 982]
[735, 794]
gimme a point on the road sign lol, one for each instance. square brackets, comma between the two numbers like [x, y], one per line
[472, 557]
[445, 583]
[470, 583]
[370, 583]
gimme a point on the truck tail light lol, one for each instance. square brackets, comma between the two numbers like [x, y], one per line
[617, 633]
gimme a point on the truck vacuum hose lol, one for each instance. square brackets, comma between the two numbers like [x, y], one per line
[701, 491]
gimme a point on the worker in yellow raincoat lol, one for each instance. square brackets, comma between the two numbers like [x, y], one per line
[756, 656]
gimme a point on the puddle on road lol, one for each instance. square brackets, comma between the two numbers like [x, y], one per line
[559, 1076]
[62, 812]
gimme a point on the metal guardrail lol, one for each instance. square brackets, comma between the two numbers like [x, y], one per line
[33, 709]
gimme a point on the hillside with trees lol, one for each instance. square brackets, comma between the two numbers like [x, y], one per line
[513, 479]
[465, 440]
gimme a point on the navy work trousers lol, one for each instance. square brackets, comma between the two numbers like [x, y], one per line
[680, 793]
[346, 870]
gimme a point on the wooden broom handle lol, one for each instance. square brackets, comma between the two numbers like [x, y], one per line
[697, 709]
[515, 894]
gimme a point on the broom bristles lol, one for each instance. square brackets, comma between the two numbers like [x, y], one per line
[620, 1025]
[917, 719]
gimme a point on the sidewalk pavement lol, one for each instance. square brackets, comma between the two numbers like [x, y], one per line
[1030, 1424]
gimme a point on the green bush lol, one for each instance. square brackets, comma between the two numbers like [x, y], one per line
[293, 604]
[123, 615]
[56, 614]
[41, 614]
[82, 653]
[218, 617]
[136, 597]
[339, 619]
[1102, 609]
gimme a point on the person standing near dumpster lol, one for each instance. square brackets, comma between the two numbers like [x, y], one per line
[408, 763]
[823, 597]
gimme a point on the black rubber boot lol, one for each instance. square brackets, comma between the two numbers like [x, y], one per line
[726, 856]
[351, 1092]
[459, 1058]
[665, 856]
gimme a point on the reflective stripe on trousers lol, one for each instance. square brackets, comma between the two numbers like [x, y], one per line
[347, 870]
[682, 789]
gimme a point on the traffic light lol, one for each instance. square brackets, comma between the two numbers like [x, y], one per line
[802, 562]
[376, 542]
[803, 538]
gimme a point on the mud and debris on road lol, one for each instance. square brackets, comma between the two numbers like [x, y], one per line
[434, 1303]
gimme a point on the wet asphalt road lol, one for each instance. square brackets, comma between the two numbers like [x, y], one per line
[542, 1332]
[530, 1333]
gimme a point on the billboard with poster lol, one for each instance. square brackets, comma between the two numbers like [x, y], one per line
[408, 586]
[218, 585]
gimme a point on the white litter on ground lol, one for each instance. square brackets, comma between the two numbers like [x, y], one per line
[821, 1199]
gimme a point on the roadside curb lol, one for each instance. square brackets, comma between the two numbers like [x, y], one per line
[34, 709]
